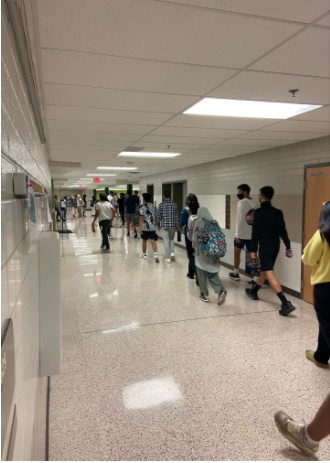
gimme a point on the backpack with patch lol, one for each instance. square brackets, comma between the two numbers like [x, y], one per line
[212, 242]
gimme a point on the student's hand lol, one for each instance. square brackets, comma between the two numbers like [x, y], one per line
[253, 255]
[159, 229]
[289, 254]
[237, 239]
[140, 231]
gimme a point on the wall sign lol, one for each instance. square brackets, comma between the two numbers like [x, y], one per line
[96, 180]
[316, 174]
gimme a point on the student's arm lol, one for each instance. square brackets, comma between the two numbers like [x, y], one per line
[113, 212]
[97, 213]
[283, 233]
[313, 250]
[159, 216]
[239, 221]
[256, 232]
[125, 206]
[140, 224]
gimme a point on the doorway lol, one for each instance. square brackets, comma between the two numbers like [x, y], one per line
[317, 191]
[178, 192]
[150, 190]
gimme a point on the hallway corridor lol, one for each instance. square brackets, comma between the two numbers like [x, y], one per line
[152, 373]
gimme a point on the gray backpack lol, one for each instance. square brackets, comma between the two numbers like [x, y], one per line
[190, 227]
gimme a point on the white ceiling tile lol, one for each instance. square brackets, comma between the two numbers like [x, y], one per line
[80, 143]
[96, 127]
[95, 70]
[197, 132]
[171, 139]
[163, 146]
[67, 134]
[71, 95]
[104, 115]
[159, 31]
[298, 136]
[265, 86]
[308, 53]
[218, 122]
[294, 10]
[235, 142]
[325, 21]
[300, 126]
[321, 115]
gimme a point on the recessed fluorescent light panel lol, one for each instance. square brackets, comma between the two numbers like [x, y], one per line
[104, 175]
[118, 168]
[149, 155]
[247, 108]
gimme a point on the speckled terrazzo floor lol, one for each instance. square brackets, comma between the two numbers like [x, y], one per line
[152, 373]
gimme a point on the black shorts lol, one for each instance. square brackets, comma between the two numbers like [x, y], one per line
[267, 256]
[149, 235]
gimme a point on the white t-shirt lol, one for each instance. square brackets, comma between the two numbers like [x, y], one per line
[79, 202]
[105, 209]
[245, 210]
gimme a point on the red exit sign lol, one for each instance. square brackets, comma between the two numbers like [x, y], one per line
[96, 180]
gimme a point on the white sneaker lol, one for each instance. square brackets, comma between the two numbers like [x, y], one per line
[143, 256]
[222, 297]
[168, 261]
[172, 257]
[156, 259]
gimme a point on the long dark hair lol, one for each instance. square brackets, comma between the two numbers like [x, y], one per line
[192, 203]
[324, 222]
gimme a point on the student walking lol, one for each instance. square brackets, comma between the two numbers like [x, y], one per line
[84, 204]
[105, 212]
[268, 228]
[75, 205]
[64, 206]
[131, 210]
[207, 268]
[147, 226]
[317, 254]
[79, 206]
[306, 437]
[245, 211]
[57, 209]
[168, 223]
[121, 206]
[187, 218]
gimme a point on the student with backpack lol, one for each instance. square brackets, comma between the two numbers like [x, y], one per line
[187, 218]
[209, 243]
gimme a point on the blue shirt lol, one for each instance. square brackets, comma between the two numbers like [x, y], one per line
[130, 203]
[184, 221]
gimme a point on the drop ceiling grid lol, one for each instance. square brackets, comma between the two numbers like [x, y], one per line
[161, 124]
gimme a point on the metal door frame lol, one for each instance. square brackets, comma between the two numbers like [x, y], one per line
[308, 166]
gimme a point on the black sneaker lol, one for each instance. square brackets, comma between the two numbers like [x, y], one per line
[135, 234]
[191, 278]
[234, 276]
[252, 294]
[128, 235]
[204, 298]
[252, 282]
[286, 309]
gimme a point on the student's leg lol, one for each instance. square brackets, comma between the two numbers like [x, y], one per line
[321, 304]
[202, 278]
[128, 223]
[319, 428]
[237, 258]
[154, 246]
[191, 259]
[166, 239]
[215, 282]
[144, 246]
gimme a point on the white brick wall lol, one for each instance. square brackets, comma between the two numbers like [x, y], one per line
[282, 167]
[21, 151]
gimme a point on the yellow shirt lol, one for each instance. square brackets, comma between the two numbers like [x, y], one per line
[317, 254]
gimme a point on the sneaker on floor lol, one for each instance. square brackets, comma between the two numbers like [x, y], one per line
[128, 235]
[252, 282]
[102, 247]
[172, 257]
[234, 276]
[310, 356]
[168, 261]
[106, 250]
[294, 432]
[286, 309]
[143, 256]
[190, 278]
[252, 294]
[156, 259]
[222, 297]
[204, 298]
[135, 235]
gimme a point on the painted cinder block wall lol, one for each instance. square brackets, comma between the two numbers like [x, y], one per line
[281, 167]
[21, 151]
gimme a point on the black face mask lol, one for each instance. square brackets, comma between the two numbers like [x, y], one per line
[240, 195]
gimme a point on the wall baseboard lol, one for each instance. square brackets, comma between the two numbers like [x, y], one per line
[287, 290]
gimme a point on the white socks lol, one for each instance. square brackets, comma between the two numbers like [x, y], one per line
[308, 439]
[236, 271]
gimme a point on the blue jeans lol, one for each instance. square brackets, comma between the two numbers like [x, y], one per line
[64, 212]
[58, 213]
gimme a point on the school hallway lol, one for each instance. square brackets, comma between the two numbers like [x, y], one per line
[151, 373]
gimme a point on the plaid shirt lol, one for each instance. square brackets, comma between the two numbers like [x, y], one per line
[167, 215]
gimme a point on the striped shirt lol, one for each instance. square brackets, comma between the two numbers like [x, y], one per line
[167, 215]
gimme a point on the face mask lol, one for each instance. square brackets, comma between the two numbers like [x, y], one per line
[240, 196]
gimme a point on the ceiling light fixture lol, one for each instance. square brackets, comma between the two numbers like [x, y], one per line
[118, 168]
[249, 108]
[148, 155]
[104, 175]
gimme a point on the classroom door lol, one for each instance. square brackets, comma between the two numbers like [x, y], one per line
[317, 191]
[150, 190]
[178, 195]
